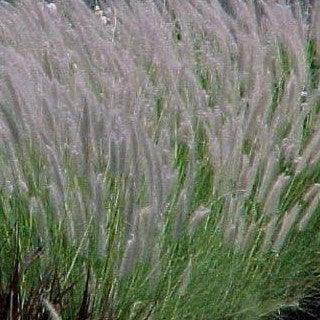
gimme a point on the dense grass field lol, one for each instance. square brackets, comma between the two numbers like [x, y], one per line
[159, 160]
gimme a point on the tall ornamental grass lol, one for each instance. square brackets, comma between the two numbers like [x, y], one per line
[160, 163]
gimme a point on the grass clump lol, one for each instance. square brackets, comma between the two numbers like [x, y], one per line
[161, 163]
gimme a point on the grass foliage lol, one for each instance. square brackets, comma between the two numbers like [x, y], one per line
[162, 163]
